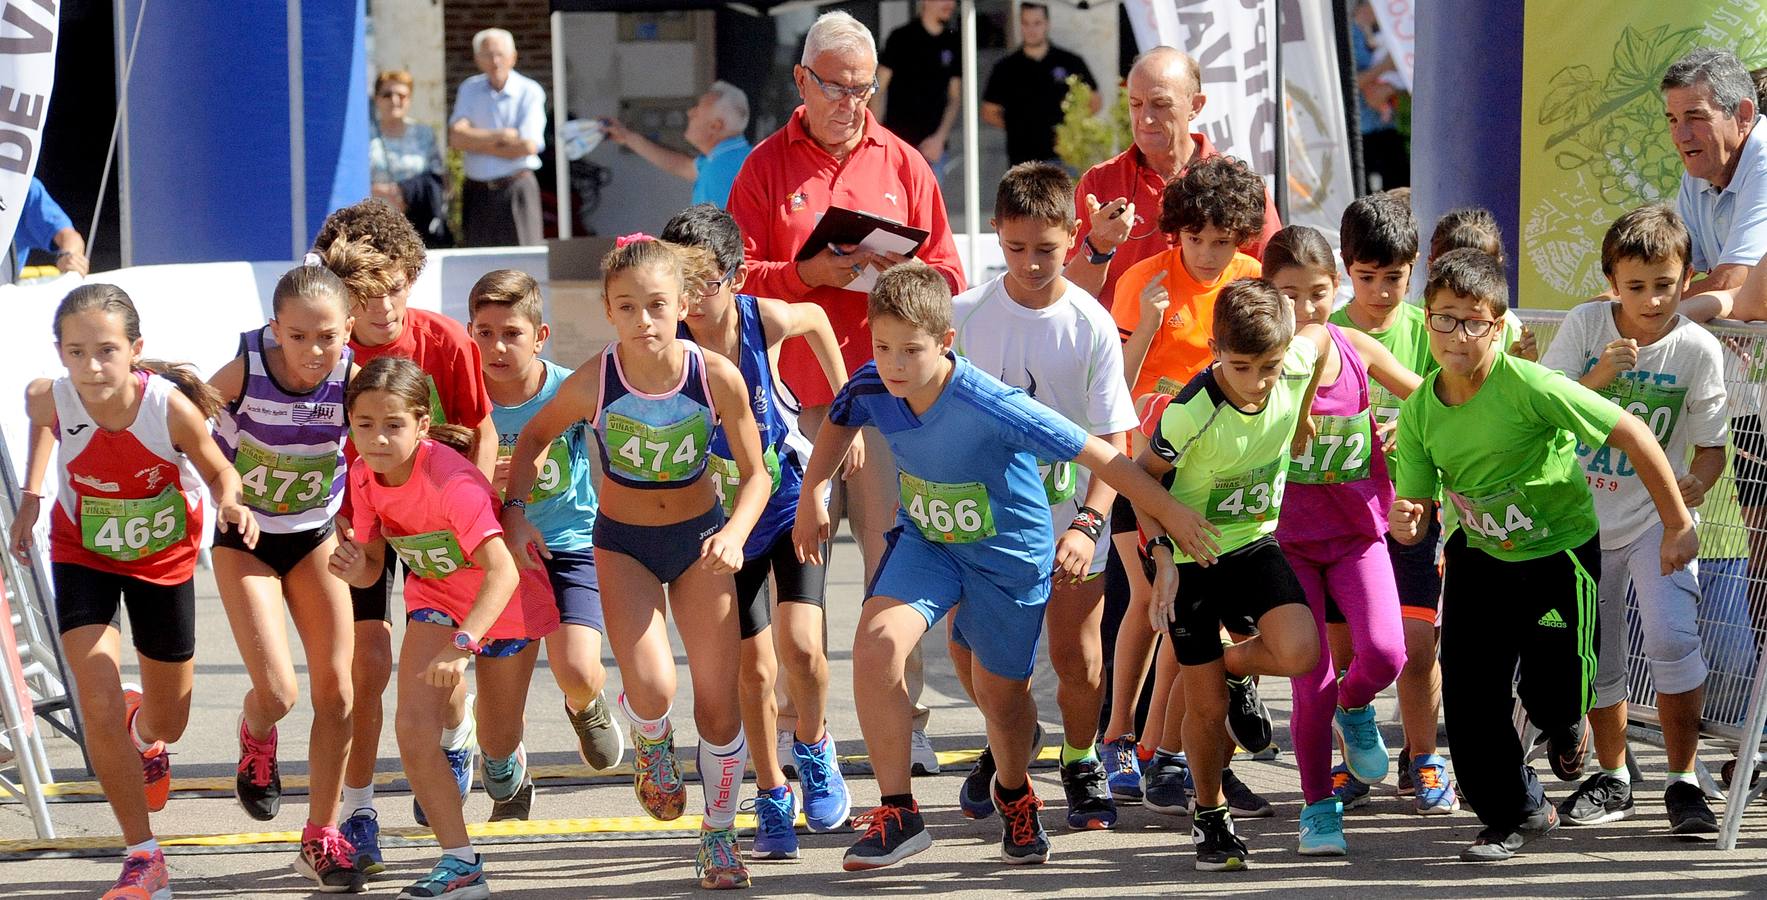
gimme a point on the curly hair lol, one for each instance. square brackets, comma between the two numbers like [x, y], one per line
[384, 228]
[1221, 191]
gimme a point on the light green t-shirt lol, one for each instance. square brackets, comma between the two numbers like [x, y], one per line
[1408, 340]
[1232, 466]
[1507, 458]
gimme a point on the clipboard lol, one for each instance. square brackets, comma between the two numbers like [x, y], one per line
[845, 226]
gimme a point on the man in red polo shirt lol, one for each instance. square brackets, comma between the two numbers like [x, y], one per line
[833, 152]
[1120, 197]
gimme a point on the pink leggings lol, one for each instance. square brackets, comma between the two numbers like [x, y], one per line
[1357, 574]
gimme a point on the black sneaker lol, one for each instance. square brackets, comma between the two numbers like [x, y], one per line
[1567, 749]
[1247, 719]
[892, 834]
[257, 783]
[1218, 849]
[1089, 795]
[1602, 798]
[1688, 811]
[1165, 785]
[1242, 801]
[974, 797]
[1498, 844]
[1022, 838]
[519, 806]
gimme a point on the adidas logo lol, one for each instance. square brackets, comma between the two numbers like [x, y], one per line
[1553, 620]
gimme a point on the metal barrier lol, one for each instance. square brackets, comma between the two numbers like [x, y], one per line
[1732, 577]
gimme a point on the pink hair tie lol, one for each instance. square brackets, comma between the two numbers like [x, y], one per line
[623, 240]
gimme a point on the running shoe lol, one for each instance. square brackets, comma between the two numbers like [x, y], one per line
[656, 776]
[1349, 792]
[1601, 798]
[1242, 801]
[257, 783]
[1365, 753]
[925, 758]
[1218, 848]
[1566, 750]
[1166, 786]
[1689, 813]
[1434, 790]
[974, 797]
[144, 878]
[776, 817]
[362, 831]
[1248, 721]
[719, 864]
[1088, 795]
[1322, 829]
[156, 761]
[1022, 838]
[785, 738]
[826, 801]
[328, 860]
[600, 742]
[1498, 844]
[1405, 785]
[510, 786]
[892, 834]
[1122, 767]
[455, 879]
[1727, 774]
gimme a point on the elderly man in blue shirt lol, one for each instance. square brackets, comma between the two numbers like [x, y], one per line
[499, 125]
[1710, 103]
[715, 127]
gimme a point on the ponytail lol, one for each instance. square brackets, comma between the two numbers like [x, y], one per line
[458, 438]
[188, 383]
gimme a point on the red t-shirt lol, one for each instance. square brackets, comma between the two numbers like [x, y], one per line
[780, 194]
[435, 522]
[1127, 175]
[440, 348]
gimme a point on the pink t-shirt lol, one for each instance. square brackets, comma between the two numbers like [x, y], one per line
[1338, 487]
[435, 522]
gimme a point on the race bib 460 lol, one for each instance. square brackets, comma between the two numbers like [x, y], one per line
[948, 513]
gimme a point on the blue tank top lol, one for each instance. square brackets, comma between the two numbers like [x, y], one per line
[784, 448]
[287, 447]
[562, 501]
[654, 440]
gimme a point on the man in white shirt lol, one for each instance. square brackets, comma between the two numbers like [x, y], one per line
[499, 124]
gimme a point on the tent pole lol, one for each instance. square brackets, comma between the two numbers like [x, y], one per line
[972, 151]
[561, 110]
[297, 136]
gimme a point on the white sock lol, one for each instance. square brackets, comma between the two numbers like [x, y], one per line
[149, 846]
[1681, 776]
[463, 735]
[464, 854]
[140, 745]
[358, 799]
[720, 777]
[652, 729]
[1623, 773]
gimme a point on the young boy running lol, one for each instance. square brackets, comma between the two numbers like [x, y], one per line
[1036, 331]
[1497, 435]
[1225, 440]
[973, 534]
[1637, 352]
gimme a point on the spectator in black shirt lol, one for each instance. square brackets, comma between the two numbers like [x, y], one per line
[919, 80]
[1026, 88]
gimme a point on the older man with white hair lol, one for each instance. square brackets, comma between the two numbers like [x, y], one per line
[499, 125]
[715, 127]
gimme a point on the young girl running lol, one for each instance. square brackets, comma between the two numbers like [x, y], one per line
[745, 330]
[124, 532]
[466, 600]
[1333, 534]
[654, 401]
[282, 424]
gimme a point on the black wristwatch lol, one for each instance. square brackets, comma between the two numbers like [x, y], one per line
[516, 503]
[1095, 257]
[1164, 540]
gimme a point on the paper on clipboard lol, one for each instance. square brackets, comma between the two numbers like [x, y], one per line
[879, 241]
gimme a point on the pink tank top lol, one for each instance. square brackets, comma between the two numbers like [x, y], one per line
[1338, 486]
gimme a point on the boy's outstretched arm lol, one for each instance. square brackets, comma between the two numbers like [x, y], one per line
[1681, 543]
[1160, 512]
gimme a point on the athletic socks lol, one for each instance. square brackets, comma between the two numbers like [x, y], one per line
[720, 776]
[1686, 777]
[464, 854]
[905, 801]
[652, 729]
[1008, 796]
[1623, 773]
[460, 736]
[1071, 754]
[140, 745]
[358, 799]
[149, 846]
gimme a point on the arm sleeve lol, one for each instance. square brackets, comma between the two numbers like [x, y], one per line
[1126, 302]
[460, 111]
[1414, 472]
[470, 509]
[771, 271]
[891, 54]
[532, 124]
[39, 221]
[940, 249]
[467, 403]
[436, 164]
[1564, 403]
[1707, 398]
[1034, 428]
[1567, 353]
[995, 89]
[1085, 72]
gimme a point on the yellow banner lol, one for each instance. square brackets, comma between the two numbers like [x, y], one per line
[1594, 141]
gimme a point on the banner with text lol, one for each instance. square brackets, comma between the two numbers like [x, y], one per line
[1320, 180]
[1398, 34]
[27, 74]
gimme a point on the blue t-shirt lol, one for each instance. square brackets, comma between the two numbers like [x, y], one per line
[716, 171]
[967, 469]
[39, 221]
[562, 501]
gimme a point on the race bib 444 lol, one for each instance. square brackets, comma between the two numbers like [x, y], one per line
[1504, 520]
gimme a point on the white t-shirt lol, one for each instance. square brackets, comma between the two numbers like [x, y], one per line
[1677, 389]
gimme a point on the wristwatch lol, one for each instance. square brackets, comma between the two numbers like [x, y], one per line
[515, 503]
[1164, 540]
[1097, 258]
[464, 643]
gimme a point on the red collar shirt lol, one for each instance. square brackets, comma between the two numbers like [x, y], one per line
[783, 189]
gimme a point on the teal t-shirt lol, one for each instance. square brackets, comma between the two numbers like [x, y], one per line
[562, 501]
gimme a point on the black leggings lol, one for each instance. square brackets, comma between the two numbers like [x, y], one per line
[796, 582]
[162, 617]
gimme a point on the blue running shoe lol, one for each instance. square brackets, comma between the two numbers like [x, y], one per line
[1322, 829]
[1167, 787]
[1122, 767]
[776, 818]
[1365, 753]
[826, 802]
[1350, 792]
[362, 830]
[975, 798]
[1435, 790]
[455, 879]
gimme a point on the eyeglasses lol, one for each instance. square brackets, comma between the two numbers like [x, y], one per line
[838, 92]
[1442, 323]
[711, 288]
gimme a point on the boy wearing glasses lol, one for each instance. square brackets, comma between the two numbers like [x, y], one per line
[1498, 435]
